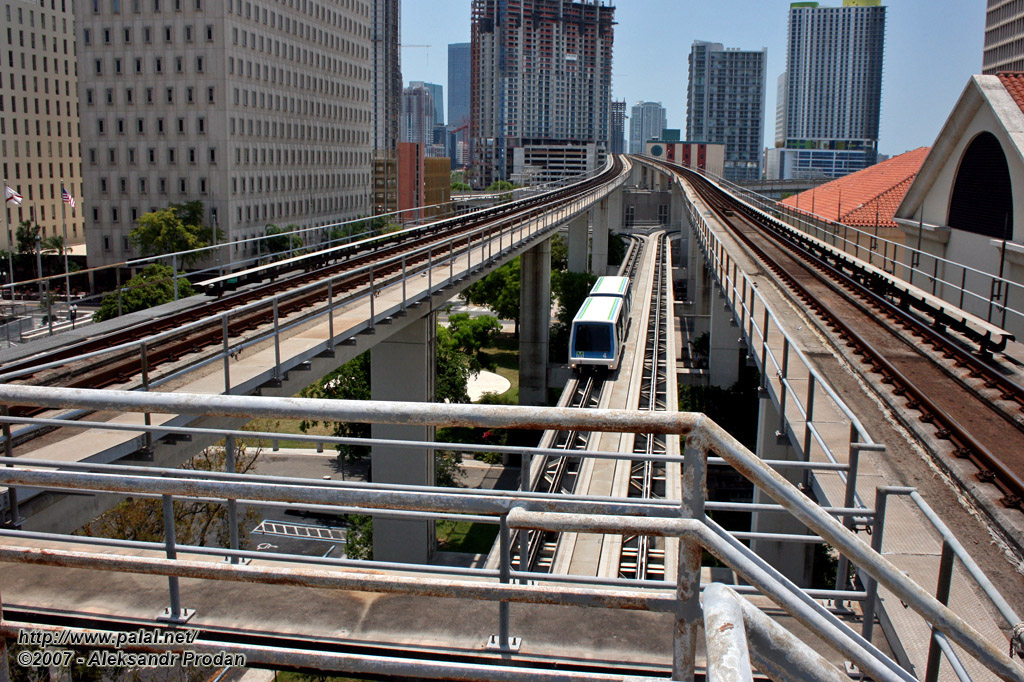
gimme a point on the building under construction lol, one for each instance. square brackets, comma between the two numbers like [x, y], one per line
[541, 75]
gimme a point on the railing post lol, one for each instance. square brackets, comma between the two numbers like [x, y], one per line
[809, 417]
[942, 594]
[403, 281]
[430, 271]
[783, 388]
[688, 620]
[853, 463]
[451, 261]
[147, 418]
[503, 641]
[227, 353]
[373, 295]
[229, 467]
[174, 274]
[524, 534]
[277, 343]
[5, 671]
[330, 314]
[12, 491]
[174, 613]
[870, 584]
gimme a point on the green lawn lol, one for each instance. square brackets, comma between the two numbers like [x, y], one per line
[289, 426]
[463, 536]
[503, 357]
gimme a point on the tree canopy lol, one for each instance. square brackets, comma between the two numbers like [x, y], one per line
[499, 291]
[470, 334]
[279, 242]
[163, 231]
[151, 287]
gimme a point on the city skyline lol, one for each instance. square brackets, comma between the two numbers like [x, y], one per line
[931, 51]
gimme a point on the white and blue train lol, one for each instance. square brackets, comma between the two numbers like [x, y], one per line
[599, 328]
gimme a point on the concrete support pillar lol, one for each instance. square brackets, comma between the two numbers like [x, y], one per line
[724, 354]
[608, 219]
[579, 233]
[402, 368]
[791, 559]
[534, 321]
[678, 217]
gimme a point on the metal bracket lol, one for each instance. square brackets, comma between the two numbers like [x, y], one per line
[183, 616]
[494, 644]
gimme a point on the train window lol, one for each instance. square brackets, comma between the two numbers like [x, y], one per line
[593, 338]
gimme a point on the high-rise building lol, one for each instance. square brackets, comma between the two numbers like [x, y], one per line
[541, 75]
[833, 90]
[725, 105]
[387, 100]
[417, 120]
[617, 128]
[203, 100]
[1004, 37]
[39, 131]
[459, 64]
[646, 122]
[437, 96]
[387, 73]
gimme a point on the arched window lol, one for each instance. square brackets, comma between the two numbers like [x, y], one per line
[982, 200]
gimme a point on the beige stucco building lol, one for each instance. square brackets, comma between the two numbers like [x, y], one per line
[262, 109]
[39, 117]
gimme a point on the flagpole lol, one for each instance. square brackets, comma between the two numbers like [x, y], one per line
[64, 227]
[10, 249]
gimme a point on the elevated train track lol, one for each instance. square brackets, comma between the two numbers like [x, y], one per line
[342, 269]
[953, 387]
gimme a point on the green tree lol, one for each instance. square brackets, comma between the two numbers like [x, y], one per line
[453, 369]
[54, 245]
[350, 381]
[460, 187]
[499, 291]
[559, 254]
[359, 537]
[501, 186]
[471, 334]
[279, 243]
[25, 235]
[151, 287]
[163, 231]
[616, 249]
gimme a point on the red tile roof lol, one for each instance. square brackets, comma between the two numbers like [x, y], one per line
[864, 198]
[1013, 81]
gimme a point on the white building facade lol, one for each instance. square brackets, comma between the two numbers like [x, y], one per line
[833, 89]
[39, 119]
[261, 109]
[725, 105]
[647, 120]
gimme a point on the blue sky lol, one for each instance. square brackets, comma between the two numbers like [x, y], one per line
[932, 47]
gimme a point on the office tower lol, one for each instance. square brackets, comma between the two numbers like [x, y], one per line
[458, 84]
[1004, 37]
[617, 130]
[541, 75]
[725, 105]
[387, 72]
[437, 96]
[261, 110]
[833, 90]
[417, 121]
[39, 131]
[646, 122]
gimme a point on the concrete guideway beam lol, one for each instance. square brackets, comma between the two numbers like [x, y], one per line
[534, 323]
[579, 228]
[790, 559]
[724, 354]
[402, 368]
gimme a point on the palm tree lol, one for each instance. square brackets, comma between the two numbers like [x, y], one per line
[54, 245]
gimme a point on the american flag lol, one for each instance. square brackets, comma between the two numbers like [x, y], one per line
[67, 198]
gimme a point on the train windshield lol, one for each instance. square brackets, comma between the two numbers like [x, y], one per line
[593, 338]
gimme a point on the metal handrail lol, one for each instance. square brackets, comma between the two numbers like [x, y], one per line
[702, 436]
[910, 263]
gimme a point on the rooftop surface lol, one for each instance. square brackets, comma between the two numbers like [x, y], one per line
[866, 198]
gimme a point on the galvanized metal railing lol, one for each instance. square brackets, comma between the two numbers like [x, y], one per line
[512, 510]
[981, 293]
